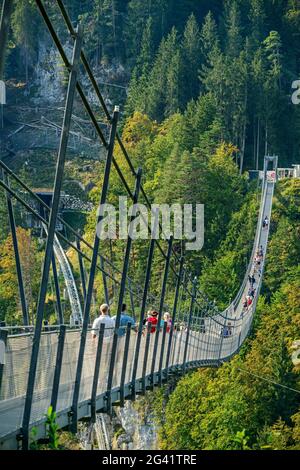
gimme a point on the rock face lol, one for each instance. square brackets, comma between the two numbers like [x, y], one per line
[139, 428]
[132, 427]
[50, 78]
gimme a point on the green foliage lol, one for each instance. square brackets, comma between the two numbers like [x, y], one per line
[241, 440]
[174, 174]
[275, 437]
[10, 308]
[3, 217]
[222, 278]
[284, 247]
[240, 62]
[191, 63]
[209, 408]
[33, 441]
[52, 429]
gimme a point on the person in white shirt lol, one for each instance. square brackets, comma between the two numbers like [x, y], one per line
[103, 318]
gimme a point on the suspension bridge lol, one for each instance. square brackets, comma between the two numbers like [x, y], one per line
[61, 365]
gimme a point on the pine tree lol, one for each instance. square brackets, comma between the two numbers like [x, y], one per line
[170, 189]
[162, 93]
[234, 42]
[191, 61]
[137, 93]
[138, 12]
[272, 87]
[173, 84]
[272, 46]
[107, 34]
[209, 39]
[199, 117]
[257, 17]
[146, 55]
[211, 73]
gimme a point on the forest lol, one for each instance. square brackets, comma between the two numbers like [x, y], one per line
[233, 61]
[208, 95]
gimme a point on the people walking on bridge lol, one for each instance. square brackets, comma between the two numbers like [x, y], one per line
[251, 280]
[153, 319]
[106, 319]
[226, 331]
[266, 222]
[259, 271]
[125, 319]
[167, 318]
[251, 292]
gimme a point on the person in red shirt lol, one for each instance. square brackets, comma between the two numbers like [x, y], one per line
[153, 319]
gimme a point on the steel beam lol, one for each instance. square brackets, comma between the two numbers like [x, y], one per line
[89, 293]
[58, 365]
[189, 325]
[3, 338]
[57, 292]
[104, 281]
[17, 255]
[124, 365]
[162, 350]
[81, 269]
[121, 295]
[131, 299]
[161, 306]
[96, 372]
[174, 314]
[222, 339]
[142, 315]
[50, 238]
[146, 354]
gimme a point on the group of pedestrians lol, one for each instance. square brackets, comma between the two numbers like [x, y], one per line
[110, 322]
[265, 222]
[152, 319]
[252, 279]
[125, 319]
